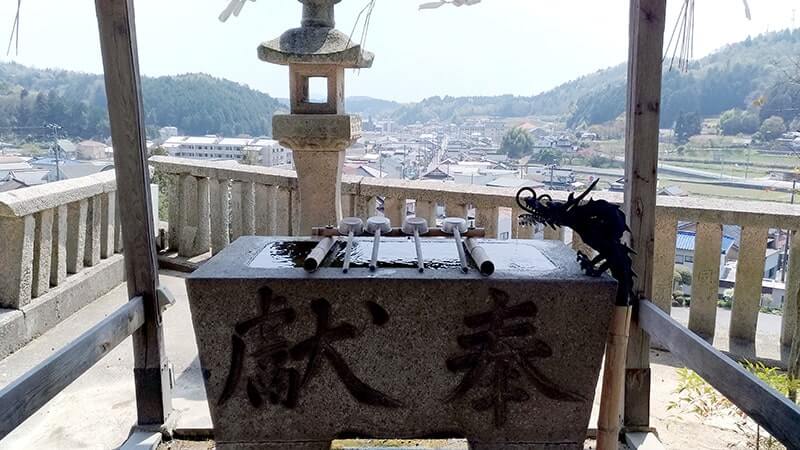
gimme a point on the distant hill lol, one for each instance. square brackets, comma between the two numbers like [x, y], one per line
[369, 106]
[749, 74]
[365, 106]
[196, 103]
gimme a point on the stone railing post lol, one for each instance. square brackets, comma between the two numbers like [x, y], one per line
[553, 234]
[91, 255]
[58, 261]
[790, 303]
[487, 217]
[16, 259]
[42, 251]
[266, 198]
[365, 206]
[664, 259]
[705, 279]
[519, 231]
[219, 191]
[109, 223]
[427, 210]
[175, 210]
[283, 211]
[395, 210]
[749, 276]
[76, 235]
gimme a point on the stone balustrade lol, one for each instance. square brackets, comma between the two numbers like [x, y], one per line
[211, 205]
[53, 231]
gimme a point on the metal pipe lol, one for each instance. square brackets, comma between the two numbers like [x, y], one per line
[373, 262]
[460, 246]
[314, 259]
[418, 246]
[347, 248]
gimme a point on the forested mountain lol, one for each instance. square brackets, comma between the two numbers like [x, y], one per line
[197, 104]
[754, 73]
[760, 74]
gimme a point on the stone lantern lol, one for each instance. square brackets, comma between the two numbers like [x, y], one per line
[317, 130]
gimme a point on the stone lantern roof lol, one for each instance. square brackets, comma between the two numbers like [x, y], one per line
[316, 41]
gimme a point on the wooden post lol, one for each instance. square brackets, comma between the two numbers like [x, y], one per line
[123, 90]
[641, 166]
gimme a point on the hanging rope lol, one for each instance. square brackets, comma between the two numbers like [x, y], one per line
[681, 41]
[14, 38]
[366, 12]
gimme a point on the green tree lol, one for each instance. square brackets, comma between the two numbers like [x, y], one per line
[41, 109]
[687, 125]
[517, 143]
[772, 128]
[683, 275]
[730, 122]
[549, 156]
[749, 122]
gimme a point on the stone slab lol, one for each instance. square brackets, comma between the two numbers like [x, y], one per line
[507, 361]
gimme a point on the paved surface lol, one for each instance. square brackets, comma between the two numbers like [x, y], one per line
[98, 410]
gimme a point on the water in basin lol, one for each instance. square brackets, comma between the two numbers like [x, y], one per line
[283, 254]
[399, 253]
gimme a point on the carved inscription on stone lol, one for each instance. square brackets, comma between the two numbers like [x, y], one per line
[276, 363]
[499, 359]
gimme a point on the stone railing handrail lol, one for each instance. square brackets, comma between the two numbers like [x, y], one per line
[229, 170]
[30, 200]
[264, 200]
[728, 211]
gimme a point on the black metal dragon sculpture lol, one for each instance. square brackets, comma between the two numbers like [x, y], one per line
[600, 225]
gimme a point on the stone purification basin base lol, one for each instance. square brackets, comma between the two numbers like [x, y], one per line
[293, 360]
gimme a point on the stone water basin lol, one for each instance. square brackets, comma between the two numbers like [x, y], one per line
[293, 360]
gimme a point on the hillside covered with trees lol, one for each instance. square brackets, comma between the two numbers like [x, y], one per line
[197, 104]
[749, 75]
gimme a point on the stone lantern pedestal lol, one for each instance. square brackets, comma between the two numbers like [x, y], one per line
[319, 143]
[318, 130]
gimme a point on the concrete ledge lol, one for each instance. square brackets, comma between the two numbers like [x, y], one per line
[18, 327]
[643, 441]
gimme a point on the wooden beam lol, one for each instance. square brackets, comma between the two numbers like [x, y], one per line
[123, 89]
[770, 409]
[645, 50]
[25, 395]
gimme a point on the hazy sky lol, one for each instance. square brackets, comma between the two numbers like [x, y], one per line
[497, 47]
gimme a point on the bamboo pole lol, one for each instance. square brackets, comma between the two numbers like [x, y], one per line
[608, 424]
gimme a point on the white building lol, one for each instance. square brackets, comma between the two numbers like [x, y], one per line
[267, 152]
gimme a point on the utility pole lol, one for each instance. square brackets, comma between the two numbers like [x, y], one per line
[54, 128]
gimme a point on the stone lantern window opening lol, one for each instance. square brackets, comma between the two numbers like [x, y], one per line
[305, 86]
